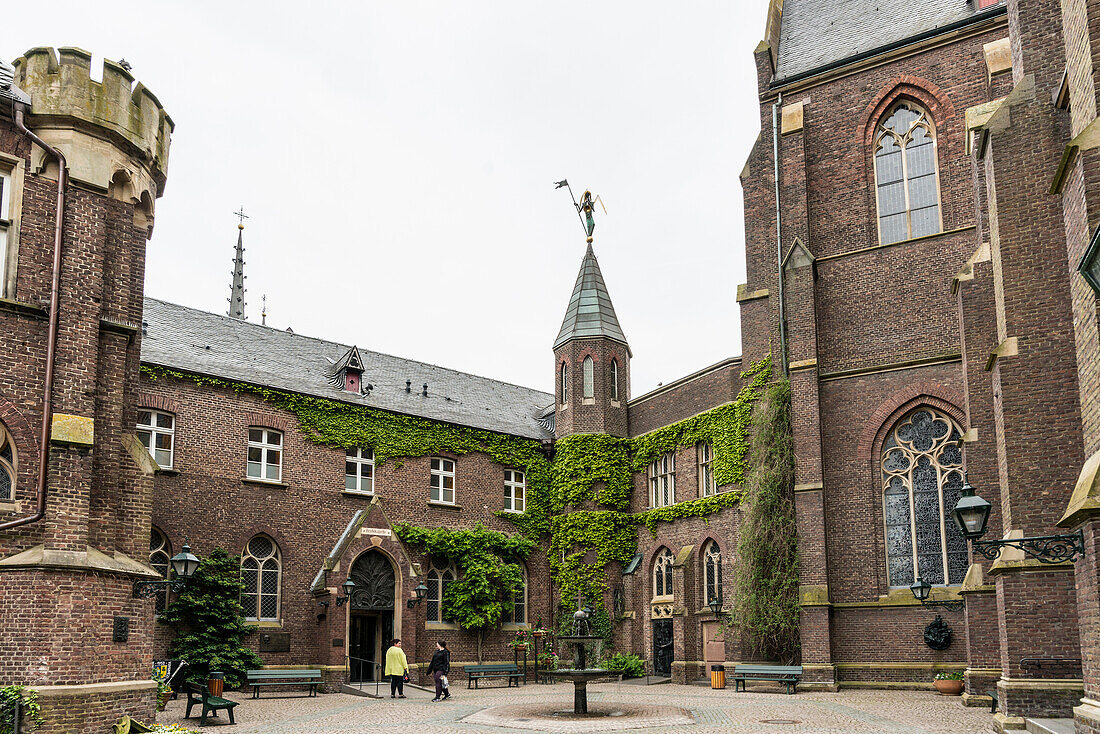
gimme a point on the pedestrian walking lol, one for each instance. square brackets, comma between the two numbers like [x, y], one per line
[397, 668]
[439, 667]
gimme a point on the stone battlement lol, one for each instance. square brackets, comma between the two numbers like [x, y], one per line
[60, 86]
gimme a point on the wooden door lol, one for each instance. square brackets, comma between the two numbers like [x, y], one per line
[714, 644]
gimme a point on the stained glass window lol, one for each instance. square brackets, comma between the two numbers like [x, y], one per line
[7, 465]
[260, 571]
[905, 175]
[922, 482]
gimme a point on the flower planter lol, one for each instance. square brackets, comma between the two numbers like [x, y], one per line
[949, 687]
[538, 633]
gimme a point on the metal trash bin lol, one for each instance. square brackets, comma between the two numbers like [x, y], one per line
[718, 676]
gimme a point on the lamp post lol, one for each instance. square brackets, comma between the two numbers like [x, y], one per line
[922, 589]
[420, 591]
[183, 566]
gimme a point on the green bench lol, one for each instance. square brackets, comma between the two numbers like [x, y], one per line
[787, 675]
[197, 694]
[280, 677]
[474, 673]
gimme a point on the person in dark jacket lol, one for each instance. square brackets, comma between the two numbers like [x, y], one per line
[439, 667]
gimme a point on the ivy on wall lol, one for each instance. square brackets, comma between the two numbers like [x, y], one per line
[591, 467]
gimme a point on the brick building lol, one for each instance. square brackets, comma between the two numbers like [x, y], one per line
[919, 216]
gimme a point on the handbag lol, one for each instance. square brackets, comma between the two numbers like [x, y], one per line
[446, 683]
[405, 678]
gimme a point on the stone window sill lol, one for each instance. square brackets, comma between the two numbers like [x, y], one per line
[664, 599]
[168, 472]
[588, 401]
[264, 482]
[441, 626]
[9, 507]
[515, 627]
[353, 493]
[265, 625]
[444, 505]
[25, 309]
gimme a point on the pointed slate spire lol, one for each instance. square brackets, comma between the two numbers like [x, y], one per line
[236, 294]
[590, 313]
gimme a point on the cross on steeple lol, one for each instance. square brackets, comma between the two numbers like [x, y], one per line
[242, 216]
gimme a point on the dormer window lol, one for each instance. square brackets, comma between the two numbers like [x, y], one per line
[351, 381]
[348, 373]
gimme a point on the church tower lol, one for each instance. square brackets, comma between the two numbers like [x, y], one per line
[591, 359]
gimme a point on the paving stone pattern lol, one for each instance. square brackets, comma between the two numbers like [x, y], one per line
[847, 712]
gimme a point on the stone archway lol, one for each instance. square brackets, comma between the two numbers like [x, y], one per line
[371, 617]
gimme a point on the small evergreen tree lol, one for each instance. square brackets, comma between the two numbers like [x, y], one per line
[209, 628]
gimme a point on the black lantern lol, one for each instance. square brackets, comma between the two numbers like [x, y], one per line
[921, 589]
[185, 563]
[971, 513]
[715, 605]
[1089, 267]
[183, 567]
[420, 591]
[348, 587]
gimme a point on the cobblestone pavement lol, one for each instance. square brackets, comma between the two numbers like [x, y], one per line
[847, 712]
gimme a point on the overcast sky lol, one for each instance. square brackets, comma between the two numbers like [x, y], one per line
[397, 162]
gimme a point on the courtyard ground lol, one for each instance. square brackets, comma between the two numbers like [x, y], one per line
[846, 712]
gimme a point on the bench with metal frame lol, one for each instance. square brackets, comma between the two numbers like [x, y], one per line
[474, 673]
[787, 675]
[200, 695]
[284, 677]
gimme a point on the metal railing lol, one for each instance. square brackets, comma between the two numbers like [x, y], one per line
[360, 664]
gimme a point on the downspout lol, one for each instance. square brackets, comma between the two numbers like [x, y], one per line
[51, 339]
[779, 237]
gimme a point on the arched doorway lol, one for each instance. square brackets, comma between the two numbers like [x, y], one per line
[370, 624]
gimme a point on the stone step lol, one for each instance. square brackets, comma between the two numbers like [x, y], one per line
[1049, 726]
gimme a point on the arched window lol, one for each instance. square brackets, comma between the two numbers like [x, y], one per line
[712, 572]
[614, 379]
[564, 383]
[438, 581]
[662, 573]
[905, 175]
[260, 571]
[662, 480]
[518, 613]
[160, 554]
[7, 465]
[922, 482]
[589, 378]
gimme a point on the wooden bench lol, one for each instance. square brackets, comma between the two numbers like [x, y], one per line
[280, 677]
[197, 694]
[788, 675]
[474, 673]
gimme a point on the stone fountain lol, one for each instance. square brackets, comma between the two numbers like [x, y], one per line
[580, 673]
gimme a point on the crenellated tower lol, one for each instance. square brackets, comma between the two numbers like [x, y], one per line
[591, 359]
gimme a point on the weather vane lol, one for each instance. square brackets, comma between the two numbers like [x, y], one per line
[585, 209]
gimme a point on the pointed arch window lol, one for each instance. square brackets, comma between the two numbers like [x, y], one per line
[712, 572]
[906, 177]
[662, 573]
[614, 379]
[7, 465]
[564, 383]
[922, 481]
[589, 378]
[261, 569]
[160, 554]
[518, 613]
[438, 582]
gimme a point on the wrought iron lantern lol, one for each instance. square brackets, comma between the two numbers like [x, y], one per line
[971, 514]
[715, 605]
[348, 587]
[922, 590]
[183, 567]
[420, 591]
[1089, 267]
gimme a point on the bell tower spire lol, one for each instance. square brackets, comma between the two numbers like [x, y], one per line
[236, 294]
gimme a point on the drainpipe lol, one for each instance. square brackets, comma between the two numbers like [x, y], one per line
[779, 237]
[51, 339]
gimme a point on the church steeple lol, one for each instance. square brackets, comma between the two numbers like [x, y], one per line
[236, 294]
[590, 313]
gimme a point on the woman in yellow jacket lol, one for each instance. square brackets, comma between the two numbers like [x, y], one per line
[397, 667]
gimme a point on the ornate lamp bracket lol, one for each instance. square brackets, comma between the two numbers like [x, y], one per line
[149, 589]
[1043, 548]
[951, 605]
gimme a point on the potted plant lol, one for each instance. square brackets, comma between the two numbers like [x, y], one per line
[164, 692]
[521, 640]
[539, 630]
[949, 684]
[548, 660]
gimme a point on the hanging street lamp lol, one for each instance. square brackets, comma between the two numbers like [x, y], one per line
[715, 605]
[420, 591]
[348, 587]
[183, 566]
[922, 590]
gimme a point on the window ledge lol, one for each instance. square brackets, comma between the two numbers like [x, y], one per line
[25, 309]
[265, 625]
[169, 471]
[353, 493]
[663, 599]
[515, 626]
[513, 512]
[444, 505]
[588, 401]
[441, 626]
[9, 507]
[264, 482]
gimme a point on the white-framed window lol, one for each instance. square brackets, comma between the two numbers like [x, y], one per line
[705, 454]
[662, 481]
[157, 432]
[7, 465]
[906, 177]
[518, 613]
[443, 480]
[662, 573]
[437, 583]
[614, 379]
[712, 572]
[261, 569]
[515, 491]
[564, 383]
[359, 471]
[588, 372]
[160, 557]
[5, 220]
[265, 454]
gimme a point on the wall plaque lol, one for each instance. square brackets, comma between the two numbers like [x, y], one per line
[275, 642]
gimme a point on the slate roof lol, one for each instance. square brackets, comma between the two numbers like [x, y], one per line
[818, 32]
[8, 90]
[589, 313]
[211, 344]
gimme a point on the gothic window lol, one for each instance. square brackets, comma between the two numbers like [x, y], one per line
[260, 572]
[438, 581]
[705, 454]
[515, 490]
[518, 613]
[589, 378]
[922, 482]
[662, 573]
[7, 465]
[614, 379]
[443, 481]
[265, 454]
[564, 384]
[359, 471]
[157, 432]
[662, 481]
[905, 175]
[712, 572]
[160, 554]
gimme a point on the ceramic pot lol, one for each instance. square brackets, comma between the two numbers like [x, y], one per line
[949, 687]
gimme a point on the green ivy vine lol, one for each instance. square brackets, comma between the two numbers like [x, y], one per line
[591, 467]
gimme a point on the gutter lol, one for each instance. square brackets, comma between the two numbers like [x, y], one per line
[779, 237]
[51, 339]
